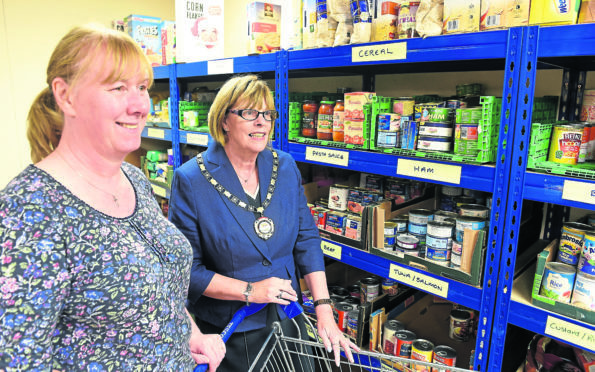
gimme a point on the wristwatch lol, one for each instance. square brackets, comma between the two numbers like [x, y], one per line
[247, 292]
[323, 301]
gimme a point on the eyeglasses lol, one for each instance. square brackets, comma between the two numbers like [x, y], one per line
[250, 114]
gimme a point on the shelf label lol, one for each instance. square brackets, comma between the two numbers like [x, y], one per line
[197, 139]
[417, 280]
[430, 171]
[159, 191]
[583, 192]
[327, 156]
[156, 133]
[331, 250]
[220, 66]
[570, 332]
[383, 52]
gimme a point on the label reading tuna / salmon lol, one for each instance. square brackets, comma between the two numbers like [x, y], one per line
[583, 192]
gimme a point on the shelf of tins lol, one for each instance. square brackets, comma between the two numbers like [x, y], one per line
[571, 48]
[179, 75]
[496, 51]
[451, 290]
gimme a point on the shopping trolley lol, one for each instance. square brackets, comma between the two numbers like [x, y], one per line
[281, 353]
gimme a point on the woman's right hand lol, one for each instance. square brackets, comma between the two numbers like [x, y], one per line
[273, 290]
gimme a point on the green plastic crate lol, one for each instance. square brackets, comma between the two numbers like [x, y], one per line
[294, 130]
[202, 110]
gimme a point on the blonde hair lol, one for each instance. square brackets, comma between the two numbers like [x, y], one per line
[73, 56]
[243, 87]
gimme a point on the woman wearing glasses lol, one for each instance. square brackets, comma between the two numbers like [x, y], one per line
[242, 206]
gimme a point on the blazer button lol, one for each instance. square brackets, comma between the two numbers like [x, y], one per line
[266, 262]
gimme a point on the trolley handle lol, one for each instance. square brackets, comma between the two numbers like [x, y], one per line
[292, 310]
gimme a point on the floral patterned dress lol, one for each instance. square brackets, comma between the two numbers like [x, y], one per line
[83, 291]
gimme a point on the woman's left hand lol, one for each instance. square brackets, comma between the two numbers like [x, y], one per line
[210, 346]
[331, 335]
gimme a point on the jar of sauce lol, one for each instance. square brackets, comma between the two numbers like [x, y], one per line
[325, 121]
[338, 121]
[309, 118]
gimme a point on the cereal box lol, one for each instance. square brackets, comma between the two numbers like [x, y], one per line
[517, 13]
[199, 30]
[168, 42]
[384, 26]
[554, 12]
[146, 31]
[492, 14]
[309, 30]
[461, 16]
[264, 27]
[354, 104]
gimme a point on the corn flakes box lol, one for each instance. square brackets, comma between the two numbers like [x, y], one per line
[554, 12]
[461, 16]
[264, 27]
[199, 30]
[146, 31]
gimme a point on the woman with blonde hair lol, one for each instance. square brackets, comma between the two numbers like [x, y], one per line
[92, 276]
[242, 206]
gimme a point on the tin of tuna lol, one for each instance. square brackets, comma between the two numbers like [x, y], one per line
[439, 256]
[417, 229]
[438, 243]
[407, 242]
[457, 247]
[440, 229]
[586, 262]
[389, 121]
[472, 223]
[558, 281]
[387, 139]
[402, 221]
[421, 216]
[441, 216]
[474, 210]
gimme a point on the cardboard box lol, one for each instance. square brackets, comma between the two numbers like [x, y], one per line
[168, 42]
[199, 30]
[554, 12]
[264, 27]
[461, 16]
[548, 255]
[493, 14]
[474, 277]
[146, 31]
[517, 13]
[587, 12]
[354, 105]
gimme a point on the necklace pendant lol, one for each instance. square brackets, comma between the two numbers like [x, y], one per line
[264, 227]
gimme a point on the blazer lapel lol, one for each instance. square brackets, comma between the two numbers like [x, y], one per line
[221, 169]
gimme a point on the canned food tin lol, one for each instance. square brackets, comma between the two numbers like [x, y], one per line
[460, 322]
[387, 138]
[467, 131]
[432, 143]
[352, 300]
[440, 229]
[445, 356]
[586, 261]
[455, 260]
[353, 227]
[461, 200]
[390, 233]
[565, 144]
[441, 216]
[474, 210]
[339, 291]
[465, 222]
[370, 288]
[571, 242]
[391, 327]
[457, 248]
[390, 287]
[354, 290]
[404, 106]
[583, 294]
[451, 190]
[389, 121]
[403, 342]
[337, 298]
[584, 149]
[341, 312]
[439, 256]
[352, 321]
[441, 115]
[402, 221]
[558, 280]
[416, 229]
[438, 243]
[455, 103]
[422, 350]
[421, 216]
[407, 242]
[470, 115]
[435, 129]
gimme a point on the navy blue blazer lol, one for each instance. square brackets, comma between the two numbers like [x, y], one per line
[223, 237]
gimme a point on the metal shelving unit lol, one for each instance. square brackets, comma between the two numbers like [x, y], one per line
[517, 52]
[571, 48]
